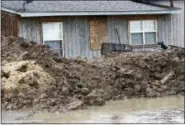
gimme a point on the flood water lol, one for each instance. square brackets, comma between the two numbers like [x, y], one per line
[152, 110]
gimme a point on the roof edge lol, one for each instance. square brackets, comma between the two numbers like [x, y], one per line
[90, 13]
[154, 4]
[97, 13]
[10, 11]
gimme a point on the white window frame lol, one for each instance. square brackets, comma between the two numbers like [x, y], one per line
[143, 32]
[61, 35]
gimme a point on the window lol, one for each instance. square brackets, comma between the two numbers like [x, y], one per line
[143, 32]
[53, 36]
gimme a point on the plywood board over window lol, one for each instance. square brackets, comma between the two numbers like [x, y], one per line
[98, 32]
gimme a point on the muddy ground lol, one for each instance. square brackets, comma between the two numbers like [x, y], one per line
[33, 76]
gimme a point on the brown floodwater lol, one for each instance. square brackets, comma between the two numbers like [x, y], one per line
[151, 110]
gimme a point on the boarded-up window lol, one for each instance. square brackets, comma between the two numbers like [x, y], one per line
[98, 32]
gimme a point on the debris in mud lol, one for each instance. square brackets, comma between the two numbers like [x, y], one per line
[75, 104]
[35, 77]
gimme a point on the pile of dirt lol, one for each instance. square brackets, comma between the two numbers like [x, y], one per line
[147, 74]
[33, 76]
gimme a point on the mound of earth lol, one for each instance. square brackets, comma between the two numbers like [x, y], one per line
[33, 76]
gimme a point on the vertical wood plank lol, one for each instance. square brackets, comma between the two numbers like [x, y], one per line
[174, 24]
[30, 29]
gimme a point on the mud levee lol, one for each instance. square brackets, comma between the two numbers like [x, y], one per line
[35, 77]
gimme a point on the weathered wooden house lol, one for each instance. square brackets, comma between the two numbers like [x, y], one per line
[78, 28]
[173, 28]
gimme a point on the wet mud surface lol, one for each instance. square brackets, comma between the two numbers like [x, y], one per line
[155, 110]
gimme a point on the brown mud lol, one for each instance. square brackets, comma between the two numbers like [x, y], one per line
[33, 76]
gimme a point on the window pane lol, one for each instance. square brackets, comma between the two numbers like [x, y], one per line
[52, 31]
[150, 38]
[50, 44]
[137, 38]
[56, 46]
[149, 25]
[135, 26]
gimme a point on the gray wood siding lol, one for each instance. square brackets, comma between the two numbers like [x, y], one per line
[76, 38]
[171, 27]
[177, 25]
[164, 29]
[76, 35]
[30, 29]
[122, 25]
